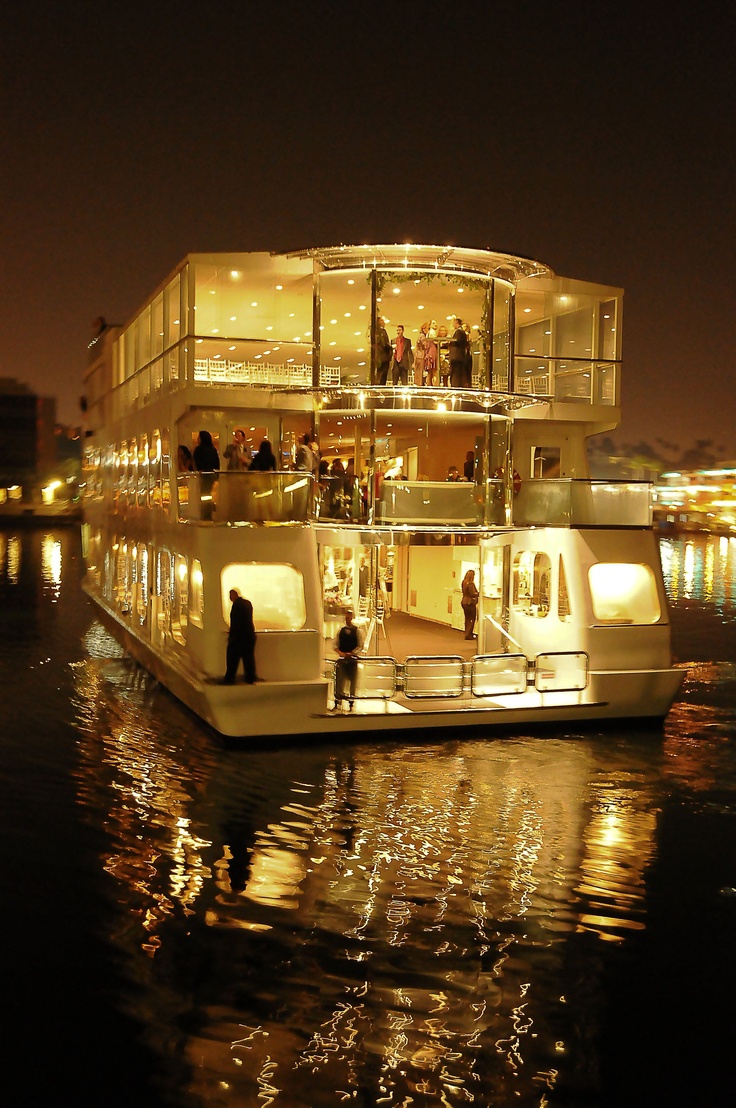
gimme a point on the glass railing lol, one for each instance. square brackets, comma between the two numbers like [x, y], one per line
[567, 503]
[295, 497]
[577, 380]
[244, 497]
[451, 502]
[340, 498]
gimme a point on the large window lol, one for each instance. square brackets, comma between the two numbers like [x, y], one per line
[623, 592]
[531, 583]
[276, 591]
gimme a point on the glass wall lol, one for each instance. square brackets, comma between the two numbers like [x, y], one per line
[425, 304]
[567, 340]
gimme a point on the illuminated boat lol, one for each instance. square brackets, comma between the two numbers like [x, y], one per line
[572, 620]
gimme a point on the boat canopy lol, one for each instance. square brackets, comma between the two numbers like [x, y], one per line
[408, 255]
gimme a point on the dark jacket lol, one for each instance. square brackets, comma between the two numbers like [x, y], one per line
[458, 346]
[242, 627]
[206, 457]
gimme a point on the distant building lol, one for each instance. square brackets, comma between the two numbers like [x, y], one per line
[36, 453]
[697, 500]
[27, 423]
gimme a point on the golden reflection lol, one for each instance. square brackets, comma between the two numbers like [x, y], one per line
[51, 564]
[688, 569]
[13, 557]
[403, 916]
[709, 572]
[157, 853]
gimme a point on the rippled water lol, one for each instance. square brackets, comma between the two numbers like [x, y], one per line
[538, 920]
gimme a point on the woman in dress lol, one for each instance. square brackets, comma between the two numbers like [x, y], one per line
[470, 603]
[430, 353]
[419, 378]
[264, 459]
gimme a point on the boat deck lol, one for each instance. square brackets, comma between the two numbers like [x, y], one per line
[402, 635]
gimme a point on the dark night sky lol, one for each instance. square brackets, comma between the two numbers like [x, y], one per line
[597, 139]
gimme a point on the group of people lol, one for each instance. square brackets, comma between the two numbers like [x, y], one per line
[206, 459]
[396, 359]
[453, 473]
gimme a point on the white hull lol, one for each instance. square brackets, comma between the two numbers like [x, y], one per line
[283, 708]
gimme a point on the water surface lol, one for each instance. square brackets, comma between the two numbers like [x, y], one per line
[534, 920]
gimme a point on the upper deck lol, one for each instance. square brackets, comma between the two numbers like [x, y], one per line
[310, 320]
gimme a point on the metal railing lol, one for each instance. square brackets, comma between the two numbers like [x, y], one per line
[452, 677]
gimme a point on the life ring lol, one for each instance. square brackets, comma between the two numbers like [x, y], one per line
[499, 475]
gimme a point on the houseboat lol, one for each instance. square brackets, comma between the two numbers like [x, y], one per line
[460, 445]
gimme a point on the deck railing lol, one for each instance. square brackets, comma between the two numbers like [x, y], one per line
[563, 502]
[297, 497]
[244, 497]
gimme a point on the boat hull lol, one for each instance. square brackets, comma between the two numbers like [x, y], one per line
[289, 709]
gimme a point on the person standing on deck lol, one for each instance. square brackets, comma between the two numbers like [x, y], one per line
[207, 462]
[241, 640]
[237, 458]
[382, 352]
[347, 644]
[403, 358]
[469, 603]
[458, 356]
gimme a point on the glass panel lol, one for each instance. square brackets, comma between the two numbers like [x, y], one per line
[424, 445]
[564, 672]
[140, 587]
[501, 344]
[498, 675]
[254, 296]
[142, 492]
[573, 334]
[196, 595]
[157, 326]
[562, 326]
[253, 362]
[173, 312]
[143, 328]
[376, 679]
[607, 330]
[165, 469]
[565, 503]
[276, 591]
[624, 592]
[154, 471]
[345, 320]
[414, 299]
[132, 486]
[564, 611]
[180, 605]
[433, 677]
[531, 583]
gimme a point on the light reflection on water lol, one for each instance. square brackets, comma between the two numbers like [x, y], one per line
[393, 923]
[391, 919]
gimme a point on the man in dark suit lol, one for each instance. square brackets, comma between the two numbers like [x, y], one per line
[382, 352]
[241, 641]
[459, 357]
[403, 358]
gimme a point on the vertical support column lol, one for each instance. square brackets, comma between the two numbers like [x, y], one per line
[316, 323]
[372, 469]
[508, 475]
[486, 471]
[374, 296]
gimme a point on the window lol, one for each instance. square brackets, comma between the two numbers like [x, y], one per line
[276, 591]
[531, 583]
[181, 599]
[563, 598]
[623, 592]
[196, 595]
